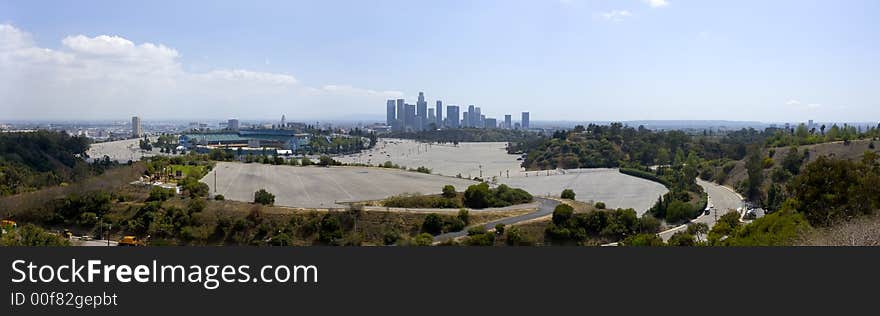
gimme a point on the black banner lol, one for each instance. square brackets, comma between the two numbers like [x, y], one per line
[400, 280]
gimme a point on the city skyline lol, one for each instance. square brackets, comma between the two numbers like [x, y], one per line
[574, 60]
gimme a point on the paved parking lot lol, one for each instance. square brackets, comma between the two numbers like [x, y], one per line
[615, 189]
[446, 159]
[318, 187]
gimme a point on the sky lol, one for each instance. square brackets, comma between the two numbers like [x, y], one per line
[561, 60]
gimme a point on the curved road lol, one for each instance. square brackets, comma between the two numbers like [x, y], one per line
[724, 200]
[545, 207]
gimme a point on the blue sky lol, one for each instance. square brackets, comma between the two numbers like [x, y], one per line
[572, 59]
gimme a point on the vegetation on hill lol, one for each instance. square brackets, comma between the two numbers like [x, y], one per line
[33, 160]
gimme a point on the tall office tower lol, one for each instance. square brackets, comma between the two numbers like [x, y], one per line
[232, 124]
[409, 121]
[439, 118]
[422, 112]
[401, 115]
[482, 121]
[283, 121]
[452, 116]
[469, 117]
[478, 117]
[507, 121]
[465, 119]
[490, 123]
[136, 130]
[390, 114]
[525, 120]
[432, 120]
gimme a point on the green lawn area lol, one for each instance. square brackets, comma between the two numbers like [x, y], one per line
[190, 171]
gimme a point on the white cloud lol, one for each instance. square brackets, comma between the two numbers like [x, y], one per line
[657, 3]
[616, 15]
[112, 77]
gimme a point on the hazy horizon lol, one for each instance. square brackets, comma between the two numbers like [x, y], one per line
[569, 60]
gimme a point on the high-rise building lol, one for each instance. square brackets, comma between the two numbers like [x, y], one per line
[390, 114]
[469, 117]
[478, 118]
[283, 121]
[432, 120]
[401, 116]
[136, 130]
[452, 117]
[490, 123]
[525, 120]
[439, 113]
[422, 112]
[409, 121]
[482, 121]
[507, 121]
[232, 124]
[466, 119]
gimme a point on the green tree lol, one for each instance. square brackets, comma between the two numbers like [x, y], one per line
[477, 196]
[423, 239]
[682, 239]
[264, 197]
[464, 216]
[643, 240]
[449, 191]
[567, 194]
[562, 213]
[433, 224]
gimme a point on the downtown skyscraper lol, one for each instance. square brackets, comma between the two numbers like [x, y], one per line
[422, 113]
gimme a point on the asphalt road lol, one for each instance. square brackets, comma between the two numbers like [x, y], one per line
[723, 198]
[545, 207]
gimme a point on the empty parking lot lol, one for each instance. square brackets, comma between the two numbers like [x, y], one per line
[318, 187]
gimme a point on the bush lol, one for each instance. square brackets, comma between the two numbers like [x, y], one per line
[649, 224]
[678, 211]
[567, 194]
[682, 239]
[423, 239]
[264, 197]
[219, 197]
[513, 237]
[464, 216]
[158, 193]
[449, 191]
[499, 229]
[562, 213]
[476, 230]
[477, 196]
[432, 224]
[390, 237]
[600, 205]
[330, 229]
[484, 239]
[643, 240]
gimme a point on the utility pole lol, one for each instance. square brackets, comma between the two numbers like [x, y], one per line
[481, 171]
[215, 181]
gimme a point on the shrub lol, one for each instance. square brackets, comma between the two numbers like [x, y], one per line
[158, 193]
[432, 224]
[567, 194]
[264, 197]
[449, 191]
[562, 213]
[476, 230]
[219, 197]
[464, 216]
[499, 229]
[423, 239]
[600, 205]
[477, 196]
[682, 239]
[643, 240]
[678, 211]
